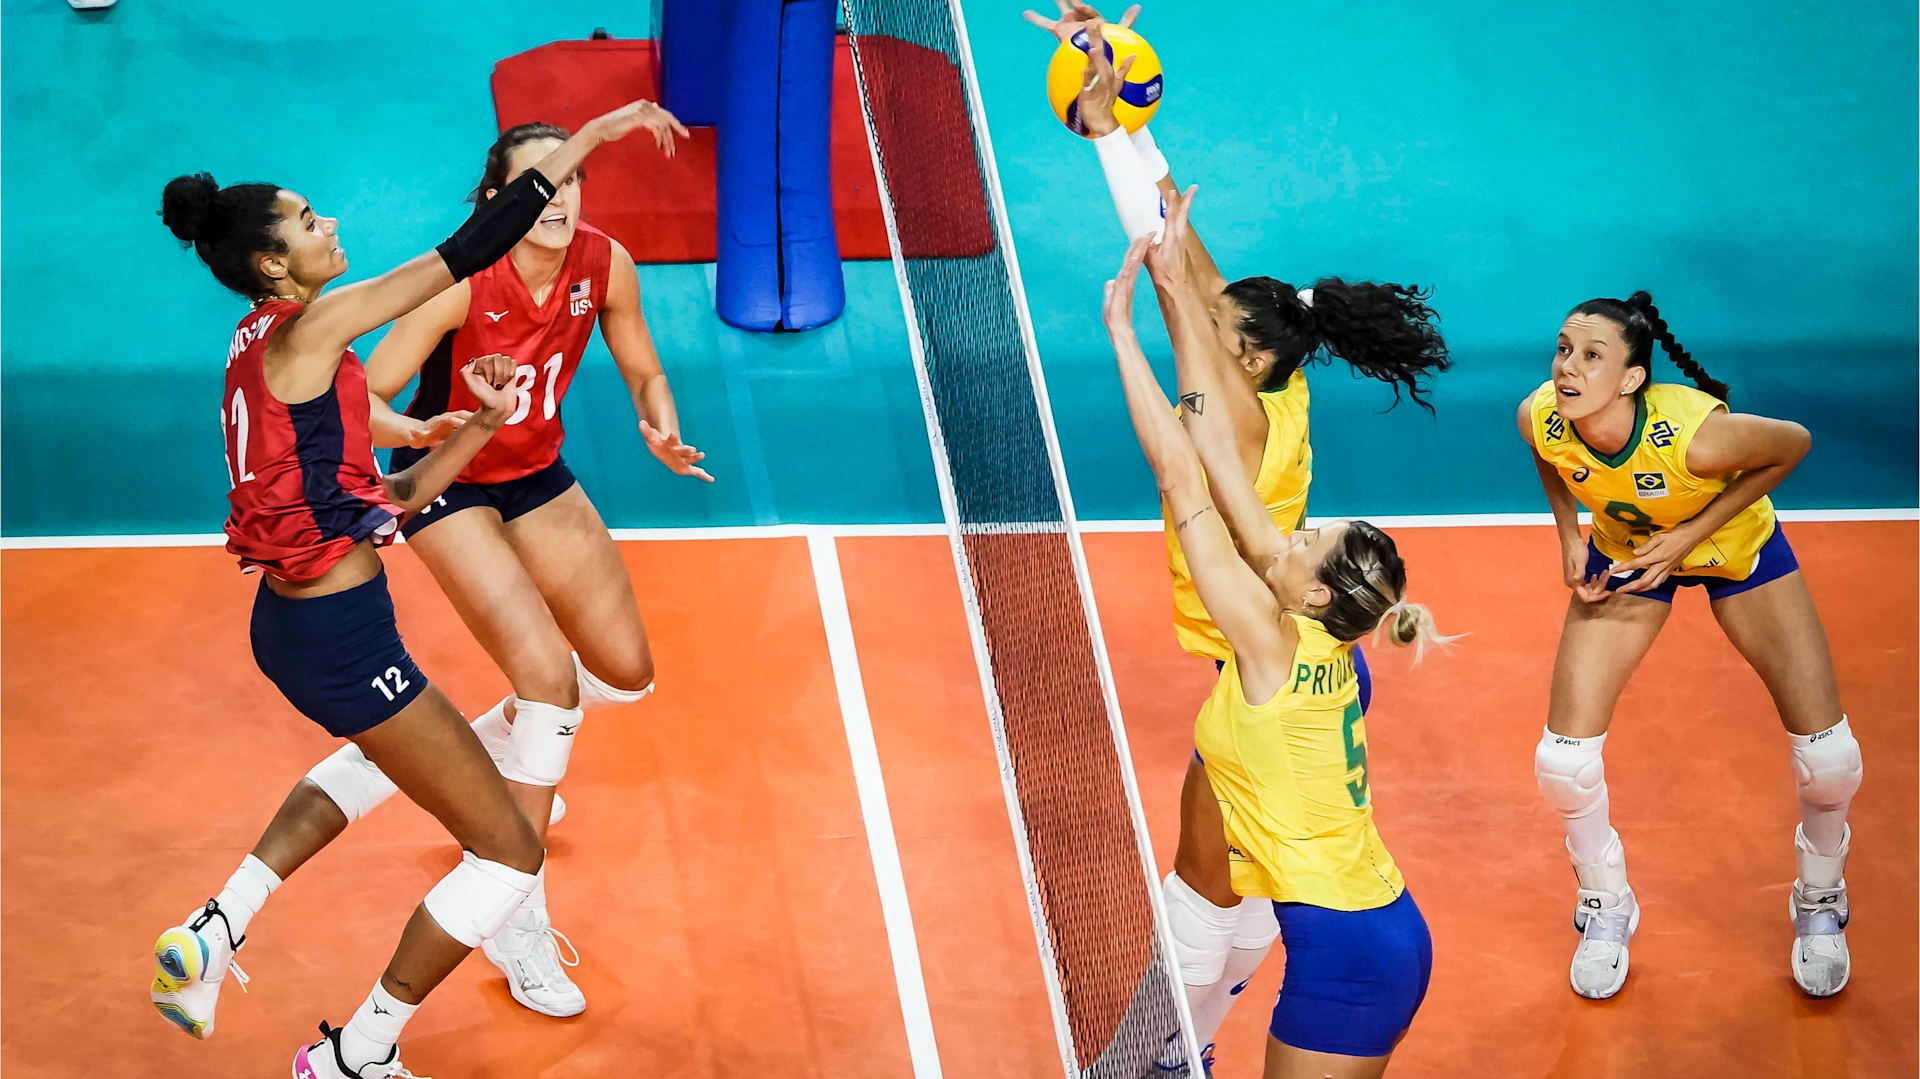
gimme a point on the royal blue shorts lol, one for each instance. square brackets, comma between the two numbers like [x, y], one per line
[1774, 562]
[337, 658]
[1360, 674]
[511, 498]
[1354, 977]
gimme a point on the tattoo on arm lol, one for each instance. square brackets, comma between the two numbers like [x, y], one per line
[403, 486]
[1190, 518]
[1195, 403]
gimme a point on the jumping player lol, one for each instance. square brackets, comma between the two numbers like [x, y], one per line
[1283, 734]
[308, 509]
[1267, 332]
[1678, 487]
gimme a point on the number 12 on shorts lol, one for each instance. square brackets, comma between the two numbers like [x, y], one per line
[394, 676]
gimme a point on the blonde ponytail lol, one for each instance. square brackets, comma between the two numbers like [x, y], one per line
[1412, 624]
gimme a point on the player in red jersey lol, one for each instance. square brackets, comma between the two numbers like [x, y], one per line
[308, 509]
[515, 543]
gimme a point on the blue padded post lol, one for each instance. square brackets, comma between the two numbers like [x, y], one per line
[747, 271]
[689, 37]
[812, 291]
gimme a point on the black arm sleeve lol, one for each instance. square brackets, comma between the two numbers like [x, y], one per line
[496, 225]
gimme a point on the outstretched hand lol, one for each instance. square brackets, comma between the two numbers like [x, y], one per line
[680, 458]
[1075, 17]
[1168, 260]
[636, 115]
[1118, 307]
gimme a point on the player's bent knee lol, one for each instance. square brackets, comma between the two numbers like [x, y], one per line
[353, 782]
[1203, 934]
[1827, 768]
[541, 743]
[627, 685]
[1256, 926]
[1571, 772]
[473, 901]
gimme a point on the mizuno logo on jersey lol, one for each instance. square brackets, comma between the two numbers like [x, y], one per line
[1556, 427]
[498, 315]
[1650, 484]
[580, 297]
[1661, 434]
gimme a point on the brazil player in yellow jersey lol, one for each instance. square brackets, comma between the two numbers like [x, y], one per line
[1266, 332]
[1678, 488]
[1283, 734]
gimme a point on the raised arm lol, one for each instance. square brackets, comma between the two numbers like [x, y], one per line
[330, 323]
[624, 326]
[1236, 598]
[1207, 401]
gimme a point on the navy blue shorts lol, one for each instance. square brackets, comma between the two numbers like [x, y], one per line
[337, 658]
[1775, 561]
[1354, 977]
[1360, 674]
[513, 498]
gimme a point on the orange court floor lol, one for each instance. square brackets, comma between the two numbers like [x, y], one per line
[715, 869]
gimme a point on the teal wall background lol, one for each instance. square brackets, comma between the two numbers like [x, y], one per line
[1752, 168]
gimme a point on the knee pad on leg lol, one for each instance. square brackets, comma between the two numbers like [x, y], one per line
[1826, 766]
[541, 743]
[476, 899]
[355, 784]
[1202, 933]
[595, 692]
[1572, 775]
[1255, 926]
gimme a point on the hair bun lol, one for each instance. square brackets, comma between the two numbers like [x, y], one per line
[187, 206]
[1642, 300]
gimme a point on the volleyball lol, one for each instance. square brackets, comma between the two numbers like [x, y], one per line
[1139, 96]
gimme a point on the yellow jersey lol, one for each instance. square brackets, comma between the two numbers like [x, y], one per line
[1646, 488]
[1291, 778]
[1286, 471]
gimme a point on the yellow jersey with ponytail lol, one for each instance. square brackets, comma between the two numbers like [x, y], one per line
[1286, 471]
[1291, 778]
[1646, 488]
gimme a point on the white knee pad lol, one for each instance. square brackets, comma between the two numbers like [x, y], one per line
[355, 784]
[1202, 933]
[476, 899]
[541, 743]
[594, 692]
[1571, 773]
[1826, 766]
[1257, 927]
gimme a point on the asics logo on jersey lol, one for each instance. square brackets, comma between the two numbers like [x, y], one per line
[1661, 434]
[1650, 484]
[497, 317]
[1580, 474]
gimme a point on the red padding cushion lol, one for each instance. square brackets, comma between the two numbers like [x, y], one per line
[663, 209]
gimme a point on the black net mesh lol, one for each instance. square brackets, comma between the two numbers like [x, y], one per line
[1092, 888]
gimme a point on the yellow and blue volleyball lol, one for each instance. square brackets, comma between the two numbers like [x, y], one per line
[1139, 96]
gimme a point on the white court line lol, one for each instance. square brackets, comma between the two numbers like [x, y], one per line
[846, 531]
[873, 807]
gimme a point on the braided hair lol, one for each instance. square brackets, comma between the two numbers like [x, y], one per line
[1640, 323]
[1384, 331]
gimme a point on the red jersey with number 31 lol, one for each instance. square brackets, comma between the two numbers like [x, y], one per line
[305, 486]
[545, 341]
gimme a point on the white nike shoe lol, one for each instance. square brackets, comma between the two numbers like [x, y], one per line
[190, 961]
[321, 1060]
[1606, 914]
[527, 951]
[1821, 965]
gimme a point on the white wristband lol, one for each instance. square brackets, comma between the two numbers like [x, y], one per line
[1151, 158]
[1135, 196]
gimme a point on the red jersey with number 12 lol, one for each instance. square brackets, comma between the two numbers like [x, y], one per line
[545, 341]
[305, 486]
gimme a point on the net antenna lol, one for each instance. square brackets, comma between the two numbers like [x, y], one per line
[1092, 890]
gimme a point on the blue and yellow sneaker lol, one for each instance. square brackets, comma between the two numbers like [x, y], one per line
[190, 961]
